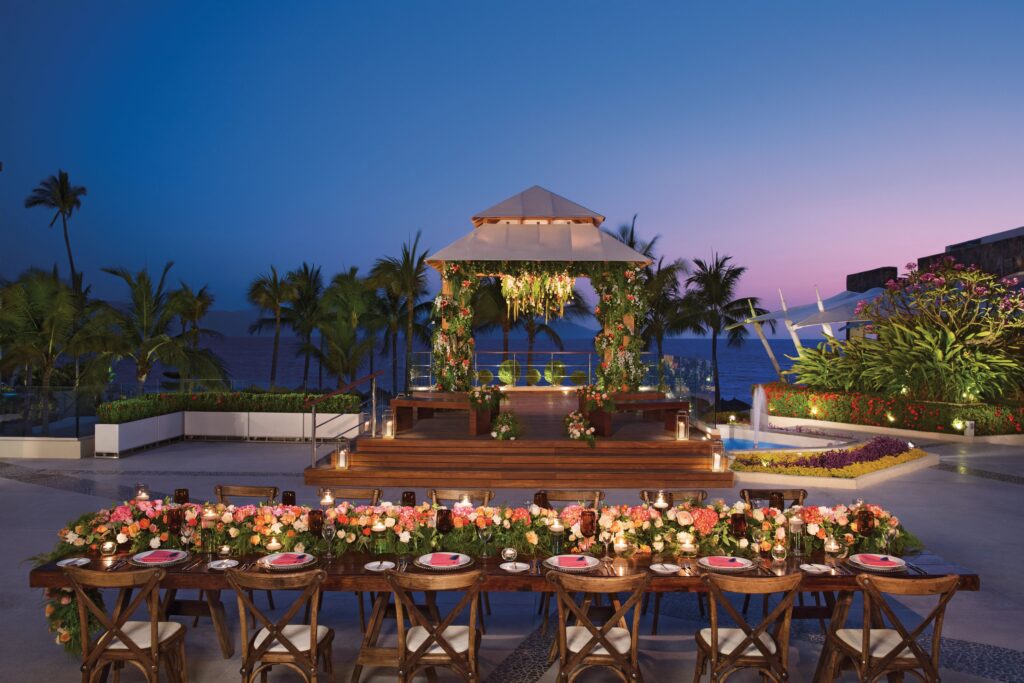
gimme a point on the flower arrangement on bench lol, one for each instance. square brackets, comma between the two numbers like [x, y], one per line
[486, 398]
[593, 398]
[506, 427]
[578, 428]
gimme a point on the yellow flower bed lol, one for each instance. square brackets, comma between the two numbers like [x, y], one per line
[777, 462]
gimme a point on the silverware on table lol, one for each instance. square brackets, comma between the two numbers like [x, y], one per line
[117, 565]
[915, 568]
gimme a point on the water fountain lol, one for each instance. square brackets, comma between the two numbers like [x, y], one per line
[758, 407]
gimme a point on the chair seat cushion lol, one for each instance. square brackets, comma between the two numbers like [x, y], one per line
[138, 632]
[882, 641]
[457, 638]
[297, 635]
[576, 638]
[730, 638]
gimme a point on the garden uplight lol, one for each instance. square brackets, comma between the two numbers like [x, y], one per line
[814, 410]
[958, 425]
[890, 417]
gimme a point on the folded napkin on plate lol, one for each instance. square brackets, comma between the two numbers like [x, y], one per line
[444, 560]
[574, 561]
[288, 558]
[161, 556]
[878, 561]
[722, 561]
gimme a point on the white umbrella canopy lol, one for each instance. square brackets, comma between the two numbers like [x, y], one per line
[839, 308]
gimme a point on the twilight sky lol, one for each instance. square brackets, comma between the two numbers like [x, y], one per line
[806, 139]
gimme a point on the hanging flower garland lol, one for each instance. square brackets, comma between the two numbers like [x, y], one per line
[620, 296]
[538, 290]
[453, 345]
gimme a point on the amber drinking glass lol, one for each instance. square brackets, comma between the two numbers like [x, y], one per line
[316, 522]
[180, 496]
[175, 516]
[408, 499]
[540, 499]
[738, 524]
[588, 523]
[865, 521]
[444, 520]
[288, 498]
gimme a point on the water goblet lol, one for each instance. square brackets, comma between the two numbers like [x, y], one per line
[606, 539]
[485, 533]
[329, 533]
[187, 533]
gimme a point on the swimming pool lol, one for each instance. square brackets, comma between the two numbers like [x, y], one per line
[748, 444]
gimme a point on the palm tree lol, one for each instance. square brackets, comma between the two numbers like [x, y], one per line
[405, 276]
[389, 311]
[348, 306]
[666, 313]
[627, 235]
[306, 309]
[191, 307]
[714, 307]
[57, 193]
[490, 311]
[272, 293]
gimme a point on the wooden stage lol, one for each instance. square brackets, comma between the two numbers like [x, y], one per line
[437, 452]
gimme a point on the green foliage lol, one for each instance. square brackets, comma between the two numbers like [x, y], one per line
[532, 377]
[578, 378]
[509, 372]
[621, 301]
[506, 427]
[783, 463]
[453, 344]
[484, 377]
[151, 405]
[554, 373]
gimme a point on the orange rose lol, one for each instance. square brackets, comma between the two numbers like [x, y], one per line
[255, 540]
[459, 522]
[821, 534]
[144, 523]
[163, 536]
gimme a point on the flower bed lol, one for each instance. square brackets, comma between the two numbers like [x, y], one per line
[151, 405]
[141, 525]
[880, 411]
[846, 463]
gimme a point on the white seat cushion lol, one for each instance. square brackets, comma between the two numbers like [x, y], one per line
[457, 638]
[730, 638]
[576, 638]
[138, 632]
[882, 641]
[297, 635]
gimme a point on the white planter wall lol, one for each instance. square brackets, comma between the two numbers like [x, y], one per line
[275, 425]
[222, 425]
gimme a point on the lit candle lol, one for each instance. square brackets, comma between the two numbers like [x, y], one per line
[556, 526]
[327, 500]
[141, 492]
[620, 544]
[465, 503]
[378, 526]
[831, 546]
[274, 545]
[209, 517]
[108, 548]
[224, 551]
[660, 502]
[716, 462]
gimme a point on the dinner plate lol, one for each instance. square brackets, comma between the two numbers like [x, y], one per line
[379, 566]
[221, 565]
[285, 562]
[159, 558]
[572, 563]
[666, 569]
[73, 562]
[876, 562]
[443, 562]
[514, 567]
[816, 568]
[725, 563]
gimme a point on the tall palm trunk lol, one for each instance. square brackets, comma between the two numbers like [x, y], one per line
[714, 366]
[305, 365]
[277, 344]
[67, 244]
[320, 365]
[410, 318]
[659, 341]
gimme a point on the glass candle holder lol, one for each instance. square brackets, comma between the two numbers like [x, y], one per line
[108, 548]
[141, 492]
[662, 501]
[224, 551]
[779, 553]
[682, 425]
[388, 425]
[832, 548]
[796, 535]
[620, 546]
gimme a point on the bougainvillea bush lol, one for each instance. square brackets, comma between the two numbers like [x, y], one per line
[151, 405]
[951, 333]
[842, 463]
[892, 411]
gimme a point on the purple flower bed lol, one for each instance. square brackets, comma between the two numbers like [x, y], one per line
[876, 449]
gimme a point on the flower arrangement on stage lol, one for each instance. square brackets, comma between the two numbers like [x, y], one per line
[578, 428]
[246, 529]
[593, 398]
[486, 398]
[621, 305]
[452, 349]
[506, 427]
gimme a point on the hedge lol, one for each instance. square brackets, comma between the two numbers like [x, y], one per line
[151, 405]
[787, 400]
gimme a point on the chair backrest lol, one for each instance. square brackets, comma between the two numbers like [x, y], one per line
[86, 582]
[403, 585]
[589, 498]
[356, 496]
[675, 496]
[778, 620]
[477, 497]
[225, 492]
[244, 583]
[790, 497]
[875, 589]
[568, 585]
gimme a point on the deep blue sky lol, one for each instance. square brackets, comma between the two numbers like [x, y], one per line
[807, 139]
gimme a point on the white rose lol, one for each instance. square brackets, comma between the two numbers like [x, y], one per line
[512, 438]
[812, 529]
[658, 546]
[494, 435]
[233, 532]
[300, 547]
[226, 518]
[154, 542]
[739, 506]
[507, 524]
[759, 515]
[389, 522]
[534, 510]
[350, 538]
[404, 537]
[122, 538]
[684, 518]
[658, 523]
[671, 514]
[744, 543]
[646, 525]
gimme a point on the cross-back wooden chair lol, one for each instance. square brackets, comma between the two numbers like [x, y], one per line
[890, 650]
[790, 497]
[764, 646]
[590, 498]
[225, 492]
[431, 641]
[675, 496]
[300, 647]
[585, 644]
[478, 497]
[144, 644]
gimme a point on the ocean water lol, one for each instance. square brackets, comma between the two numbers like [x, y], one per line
[247, 359]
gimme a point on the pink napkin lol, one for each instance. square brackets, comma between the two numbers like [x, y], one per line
[289, 558]
[161, 556]
[878, 561]
[723, 561]
[575, 561]
[444, 560]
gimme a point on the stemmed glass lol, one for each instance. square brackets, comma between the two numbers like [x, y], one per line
[606, 539]
[329, 533]
[187, 532]
[485, 533]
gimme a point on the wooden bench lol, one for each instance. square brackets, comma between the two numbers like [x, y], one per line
[654, 406]
[408, 409]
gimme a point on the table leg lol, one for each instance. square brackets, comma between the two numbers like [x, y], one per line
[227, 646]
[837, 620]
[369, 652]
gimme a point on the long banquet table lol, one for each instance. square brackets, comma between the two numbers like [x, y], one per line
[348, 573]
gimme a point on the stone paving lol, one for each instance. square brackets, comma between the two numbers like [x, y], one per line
[965, 509]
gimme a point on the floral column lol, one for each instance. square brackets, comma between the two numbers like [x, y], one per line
[453, 344]
[620, 303]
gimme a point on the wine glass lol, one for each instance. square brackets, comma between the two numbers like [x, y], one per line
[485, 533]
[329, 533]
[187, 532]
[606, 539]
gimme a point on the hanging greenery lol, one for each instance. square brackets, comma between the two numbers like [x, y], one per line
[452, 357]
[620, 303]
[537, 293]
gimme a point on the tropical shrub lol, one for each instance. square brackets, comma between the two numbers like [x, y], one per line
[532, 376]
[578, 377]
[506, 427]
[892, 411]
[485, 377]
[151, 405]
[509, 372]
[847, 463]
[950, 333]
[554, 372]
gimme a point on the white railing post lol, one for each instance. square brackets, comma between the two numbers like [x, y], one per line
[373, 407]
[312, 436]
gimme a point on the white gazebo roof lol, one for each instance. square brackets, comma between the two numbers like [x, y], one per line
[537, 203]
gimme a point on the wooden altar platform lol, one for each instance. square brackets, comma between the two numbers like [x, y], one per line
[436, 452]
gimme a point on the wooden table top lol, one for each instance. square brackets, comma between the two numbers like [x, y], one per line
[348, 573]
